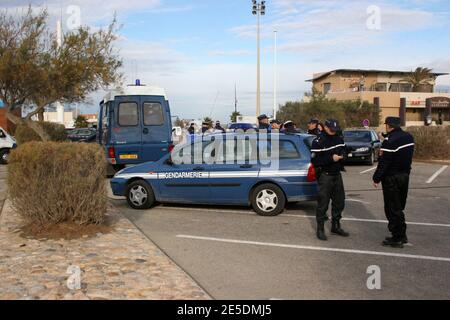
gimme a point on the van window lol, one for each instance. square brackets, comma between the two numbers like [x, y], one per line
[153, 114]
[128, 114]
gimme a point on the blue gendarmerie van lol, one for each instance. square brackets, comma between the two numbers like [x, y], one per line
[134, 125]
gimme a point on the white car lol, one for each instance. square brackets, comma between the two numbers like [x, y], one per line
[7, 143]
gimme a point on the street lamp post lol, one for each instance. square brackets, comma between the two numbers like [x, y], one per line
[258, 9]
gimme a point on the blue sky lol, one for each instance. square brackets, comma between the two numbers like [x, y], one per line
[197, 50]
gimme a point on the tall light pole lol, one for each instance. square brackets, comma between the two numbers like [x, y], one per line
[258, 9]
[275, 76]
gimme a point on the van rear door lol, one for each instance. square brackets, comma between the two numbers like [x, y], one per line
[156, 127]
[126, 130]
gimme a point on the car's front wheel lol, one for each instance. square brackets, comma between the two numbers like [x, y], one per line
[4, 154]
[268, 200]
[140, 195]
[371, 160]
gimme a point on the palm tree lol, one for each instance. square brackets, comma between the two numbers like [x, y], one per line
[420, 77]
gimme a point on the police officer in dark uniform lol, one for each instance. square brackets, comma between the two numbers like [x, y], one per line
[313, 127]
[263, 123]
[327, 153]
[205, 127]
[393, 171]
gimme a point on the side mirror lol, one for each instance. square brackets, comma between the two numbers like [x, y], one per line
[169, 161]
[2, 134]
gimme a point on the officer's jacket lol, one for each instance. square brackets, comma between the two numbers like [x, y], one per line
[322, 151]
[263, 126]
[397, 152]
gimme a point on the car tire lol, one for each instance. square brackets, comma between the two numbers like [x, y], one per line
[268, 200]
[140, 195]
[371, 160]
[4, 154]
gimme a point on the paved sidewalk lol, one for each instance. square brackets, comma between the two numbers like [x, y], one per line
[122, 264]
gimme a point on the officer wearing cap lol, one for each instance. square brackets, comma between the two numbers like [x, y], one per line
[313, 127]
[393, 171]
[327, 153]
[289, 127]
[218, 127]
[263, 123]
[205, 127]
[275, 124]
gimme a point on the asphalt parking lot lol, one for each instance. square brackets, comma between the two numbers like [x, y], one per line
[235, 254]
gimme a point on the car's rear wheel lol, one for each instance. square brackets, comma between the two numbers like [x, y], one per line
[140, 195]
[4, 154]
[268, 200]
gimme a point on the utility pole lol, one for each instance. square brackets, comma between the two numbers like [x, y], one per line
[59, 36]
[235, 99]
[258, 9]
[275, 106]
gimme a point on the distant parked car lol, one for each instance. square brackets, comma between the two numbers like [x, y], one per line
[362, 145]
[232, 127]
[82, 135]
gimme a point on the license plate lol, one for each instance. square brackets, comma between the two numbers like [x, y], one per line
[128, 156]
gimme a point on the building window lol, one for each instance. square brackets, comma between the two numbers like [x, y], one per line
[326, 87]
[381, 87]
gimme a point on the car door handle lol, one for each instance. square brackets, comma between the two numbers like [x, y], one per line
[246, 166]
[198, 169]
[145, 131]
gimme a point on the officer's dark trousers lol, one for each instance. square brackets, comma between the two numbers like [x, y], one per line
[330, 187]
[395, 192]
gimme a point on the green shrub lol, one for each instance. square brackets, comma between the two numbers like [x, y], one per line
[56, 132]
[50, 182]
[431, 142]
[348, 113]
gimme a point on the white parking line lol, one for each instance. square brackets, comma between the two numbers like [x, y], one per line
[306, 216]
[435, 175]
[293, 246]
[356, 200]
[368, 170]
[374, 221]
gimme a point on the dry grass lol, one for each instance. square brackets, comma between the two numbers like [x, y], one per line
[50, 183]
[431, 142]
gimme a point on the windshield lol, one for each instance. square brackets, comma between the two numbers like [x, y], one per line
[357, 136]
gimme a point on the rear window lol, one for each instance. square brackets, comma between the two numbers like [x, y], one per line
[288, 150]
[153, 114]
[128, 114]
[357, 136]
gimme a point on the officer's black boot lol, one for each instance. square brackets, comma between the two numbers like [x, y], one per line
[336, 229]
[321, 231]
[402, 239]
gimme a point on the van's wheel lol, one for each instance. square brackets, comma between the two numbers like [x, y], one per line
[140, 195]
[4, 154]
[268, 200]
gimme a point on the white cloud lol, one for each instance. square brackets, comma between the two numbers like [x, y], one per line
[323, 24]
[223, 53]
